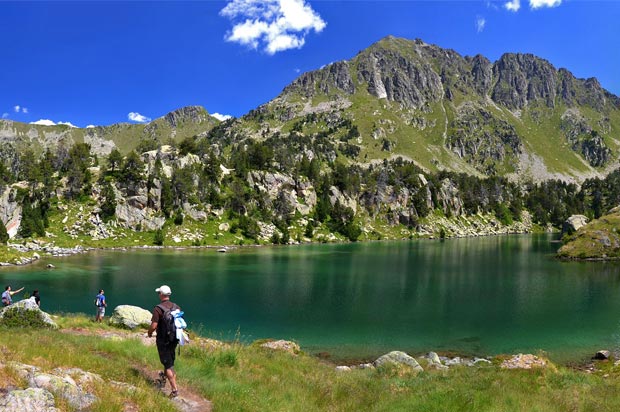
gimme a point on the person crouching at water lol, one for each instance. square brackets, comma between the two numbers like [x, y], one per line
[6, 295]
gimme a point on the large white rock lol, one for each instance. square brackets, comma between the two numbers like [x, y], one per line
[130, 316]
[398, 358]
[18, 309]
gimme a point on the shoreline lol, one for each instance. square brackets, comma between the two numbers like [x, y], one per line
[35, 246]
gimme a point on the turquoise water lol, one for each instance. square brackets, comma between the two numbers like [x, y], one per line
[480, 296]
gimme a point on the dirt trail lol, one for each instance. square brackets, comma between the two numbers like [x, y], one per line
[187, 401]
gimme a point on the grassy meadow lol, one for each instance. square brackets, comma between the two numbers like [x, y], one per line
[236, 377]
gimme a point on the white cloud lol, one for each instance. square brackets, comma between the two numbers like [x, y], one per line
[16, 108]
[536, 4]
[24, 110]
[480, 23]
[5, 115]
[275, 25]
[48, 122]
[513, 5]
[221, 117]
[44, 122]
[137, 117]
[91, 126]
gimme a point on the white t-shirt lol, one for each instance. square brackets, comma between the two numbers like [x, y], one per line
[6, 298]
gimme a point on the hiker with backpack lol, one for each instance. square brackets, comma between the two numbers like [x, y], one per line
[101, 305]
[163, 321]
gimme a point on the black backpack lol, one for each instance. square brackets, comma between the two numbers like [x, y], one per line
[166, 328]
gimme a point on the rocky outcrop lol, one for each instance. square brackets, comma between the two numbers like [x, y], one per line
[44, 387]
[130, 317]
[526, 361]
[573, 224]
[398, 359]
[30, 399]
[26, 312]
[335, 76]
[285, 194]
[583, 138]
[282, 345]
[483, 139]
[597, 240]
[396, 77]
[10, 209]
[194, 114]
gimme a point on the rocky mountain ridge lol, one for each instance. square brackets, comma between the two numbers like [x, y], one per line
[518, 116]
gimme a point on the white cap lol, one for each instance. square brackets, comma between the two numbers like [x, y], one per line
[164, 290]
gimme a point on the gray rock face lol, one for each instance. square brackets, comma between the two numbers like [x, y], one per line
[130, 316]
[398, 358]
[523, 78]
[574, 223]
[483, 139]
[391, 75]
[583, 139]
[31, 399]
[334, 76]
[194, 114]
[285, 194]
[10, 210]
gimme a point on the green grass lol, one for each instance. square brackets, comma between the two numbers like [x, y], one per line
[249, 378]
[600, 239]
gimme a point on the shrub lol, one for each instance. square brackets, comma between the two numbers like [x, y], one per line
[16, 317]
[159, 237]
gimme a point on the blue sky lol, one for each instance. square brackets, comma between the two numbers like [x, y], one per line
[99, 63]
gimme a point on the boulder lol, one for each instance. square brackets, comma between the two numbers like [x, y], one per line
[573, 224]
[398, 358]
[434, 361]
[602, 355]
[66, 388]
[283, 345]
[26, 312]
[130, 316]
[31, 399]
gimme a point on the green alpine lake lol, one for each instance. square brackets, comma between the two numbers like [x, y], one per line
[473, 296]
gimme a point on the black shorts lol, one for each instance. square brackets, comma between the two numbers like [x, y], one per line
[167, 355]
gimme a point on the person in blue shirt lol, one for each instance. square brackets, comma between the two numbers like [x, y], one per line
[101, 305]
[7, 295]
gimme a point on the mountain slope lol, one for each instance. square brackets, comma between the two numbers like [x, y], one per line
[519, 116]
[177, 125]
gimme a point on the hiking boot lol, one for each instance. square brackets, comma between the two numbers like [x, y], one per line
[161, 380]
[173, 394]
